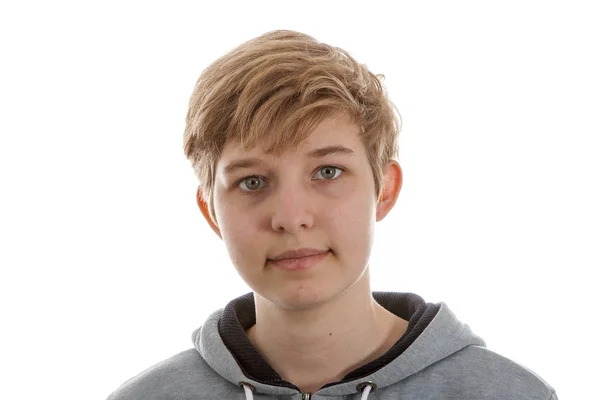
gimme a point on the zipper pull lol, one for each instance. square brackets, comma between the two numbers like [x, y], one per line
[306, 396]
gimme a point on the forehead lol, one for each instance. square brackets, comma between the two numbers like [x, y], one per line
[332, 131]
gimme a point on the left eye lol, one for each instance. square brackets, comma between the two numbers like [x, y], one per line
[329, 172]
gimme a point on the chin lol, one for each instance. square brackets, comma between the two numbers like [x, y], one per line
[295, 295]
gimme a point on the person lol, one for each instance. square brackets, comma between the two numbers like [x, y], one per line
[295, 146]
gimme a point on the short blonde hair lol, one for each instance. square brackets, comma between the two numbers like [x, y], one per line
[272, 91]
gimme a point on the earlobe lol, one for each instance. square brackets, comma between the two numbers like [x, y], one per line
[203, 206]
[392, 183]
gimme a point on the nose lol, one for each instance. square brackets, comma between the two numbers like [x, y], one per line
[292, 209]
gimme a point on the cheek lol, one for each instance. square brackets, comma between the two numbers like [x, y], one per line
[236, 230]
[353, 222]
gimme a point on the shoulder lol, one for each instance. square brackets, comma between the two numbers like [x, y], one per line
[493, 374]
[182, 376]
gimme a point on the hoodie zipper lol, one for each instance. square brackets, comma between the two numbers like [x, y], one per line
[306, 396]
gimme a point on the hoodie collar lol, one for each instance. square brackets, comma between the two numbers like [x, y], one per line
[444, 336]
[434, 337]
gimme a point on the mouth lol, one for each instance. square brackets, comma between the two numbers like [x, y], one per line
[299, 263]
[298, 253]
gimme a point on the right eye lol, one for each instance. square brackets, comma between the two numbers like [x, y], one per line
[251, 184]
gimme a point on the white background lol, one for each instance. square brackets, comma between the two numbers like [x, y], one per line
[108, 266]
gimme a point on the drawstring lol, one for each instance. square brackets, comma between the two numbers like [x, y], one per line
[366, 389]
[248, 389]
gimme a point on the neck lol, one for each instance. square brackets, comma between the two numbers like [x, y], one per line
[316, 346]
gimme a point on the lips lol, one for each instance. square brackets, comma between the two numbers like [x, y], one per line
[299, 263]
[298, 253]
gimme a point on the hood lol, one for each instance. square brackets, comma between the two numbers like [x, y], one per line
[443, 336]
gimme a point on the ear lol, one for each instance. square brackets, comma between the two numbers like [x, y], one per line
[204, 209]
[392, 182]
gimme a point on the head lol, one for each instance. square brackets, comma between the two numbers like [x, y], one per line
[294, 144]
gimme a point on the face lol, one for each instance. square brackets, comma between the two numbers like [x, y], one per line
[320, 195]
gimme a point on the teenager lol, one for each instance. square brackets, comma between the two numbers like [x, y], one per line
[294, 144]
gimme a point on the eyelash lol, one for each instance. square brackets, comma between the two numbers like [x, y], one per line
[252, 192]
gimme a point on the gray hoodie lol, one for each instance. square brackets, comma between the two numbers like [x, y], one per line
[445, 361]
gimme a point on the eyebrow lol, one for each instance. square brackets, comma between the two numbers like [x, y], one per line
[316, 153]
